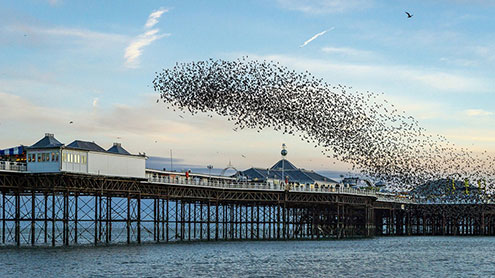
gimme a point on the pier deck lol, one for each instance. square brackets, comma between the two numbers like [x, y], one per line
[67, 209]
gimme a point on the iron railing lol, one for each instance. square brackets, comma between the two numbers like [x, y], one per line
[13, 166]
[278, 187]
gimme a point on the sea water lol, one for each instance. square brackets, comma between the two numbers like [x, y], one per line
[375, 257]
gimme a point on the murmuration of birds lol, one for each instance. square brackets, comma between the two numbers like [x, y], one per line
[359, 128]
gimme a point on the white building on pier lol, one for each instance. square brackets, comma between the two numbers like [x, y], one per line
[49, 155]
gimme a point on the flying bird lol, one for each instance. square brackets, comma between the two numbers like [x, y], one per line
[361, 129]
[409, 15]
[71, 122]
[315, 36]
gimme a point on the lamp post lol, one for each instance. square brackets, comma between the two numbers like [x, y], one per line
[283, 152]
[209, 171]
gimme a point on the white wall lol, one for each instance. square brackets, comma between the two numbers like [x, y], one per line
[75, 161]
[116, 165]
[45, 161]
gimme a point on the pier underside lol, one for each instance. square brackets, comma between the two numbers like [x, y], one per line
[436, 219]
[68, 209]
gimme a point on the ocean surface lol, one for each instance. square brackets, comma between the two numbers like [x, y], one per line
[377, 257]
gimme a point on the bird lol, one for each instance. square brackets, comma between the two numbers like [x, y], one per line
[71, 122]
[409, 15]
[360, 128]
[181, 116]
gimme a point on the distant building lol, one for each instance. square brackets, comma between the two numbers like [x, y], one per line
[291, 173]
[49, 155]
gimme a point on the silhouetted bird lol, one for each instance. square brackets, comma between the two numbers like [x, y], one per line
[362, 129]
[409, 15]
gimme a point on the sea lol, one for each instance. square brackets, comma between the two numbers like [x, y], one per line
[374, 257]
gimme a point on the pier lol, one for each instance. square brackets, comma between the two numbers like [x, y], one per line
[69, 209]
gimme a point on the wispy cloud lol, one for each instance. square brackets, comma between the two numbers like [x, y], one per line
[315, 36]
[154, 16]
[54, 2]
[477, 112]
[135, 49]
[347, 51]
[323, 6]
[63, 34]
[438, 80]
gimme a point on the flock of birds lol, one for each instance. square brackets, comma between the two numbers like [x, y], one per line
[359, 128]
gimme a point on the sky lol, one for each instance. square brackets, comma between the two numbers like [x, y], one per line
[93, 63]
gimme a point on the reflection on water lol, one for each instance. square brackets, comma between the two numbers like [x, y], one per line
[378, 257]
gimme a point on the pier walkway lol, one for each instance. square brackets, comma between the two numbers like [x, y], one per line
[67, 209]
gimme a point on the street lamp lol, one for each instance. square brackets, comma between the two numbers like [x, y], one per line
[209, 171]
[283, 152]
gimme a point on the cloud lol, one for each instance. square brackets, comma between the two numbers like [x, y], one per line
[135, 49]
[154, 16]
[477, 112]
[347, 51]
[57, 35]
[95, 102]
[54, 2]
[434, 79]
[323, 6]
[315, 36]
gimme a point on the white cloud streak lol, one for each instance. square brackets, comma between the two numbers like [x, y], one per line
[154, 16]
[135, 49]
[316, 36]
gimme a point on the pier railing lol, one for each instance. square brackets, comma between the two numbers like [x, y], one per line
[13, 166]
[281, 187]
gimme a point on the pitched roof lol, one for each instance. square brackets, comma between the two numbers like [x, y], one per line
[48, 141]
[84, 145]
[294, 174]
[117, 148]
[283, 163]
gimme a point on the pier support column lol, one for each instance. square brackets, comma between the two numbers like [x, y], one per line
[217, 225]
[128, 220]
[17, 219]
[139, 218]
[33, 218]
[76, 220]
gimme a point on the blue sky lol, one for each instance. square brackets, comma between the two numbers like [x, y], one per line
[92, 62]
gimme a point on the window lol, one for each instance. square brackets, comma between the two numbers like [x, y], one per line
[70, 158]
[39, 157]
[56, 157]
[64, 157]
[53, 156]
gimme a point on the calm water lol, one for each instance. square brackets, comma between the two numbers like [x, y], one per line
[379, 257]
